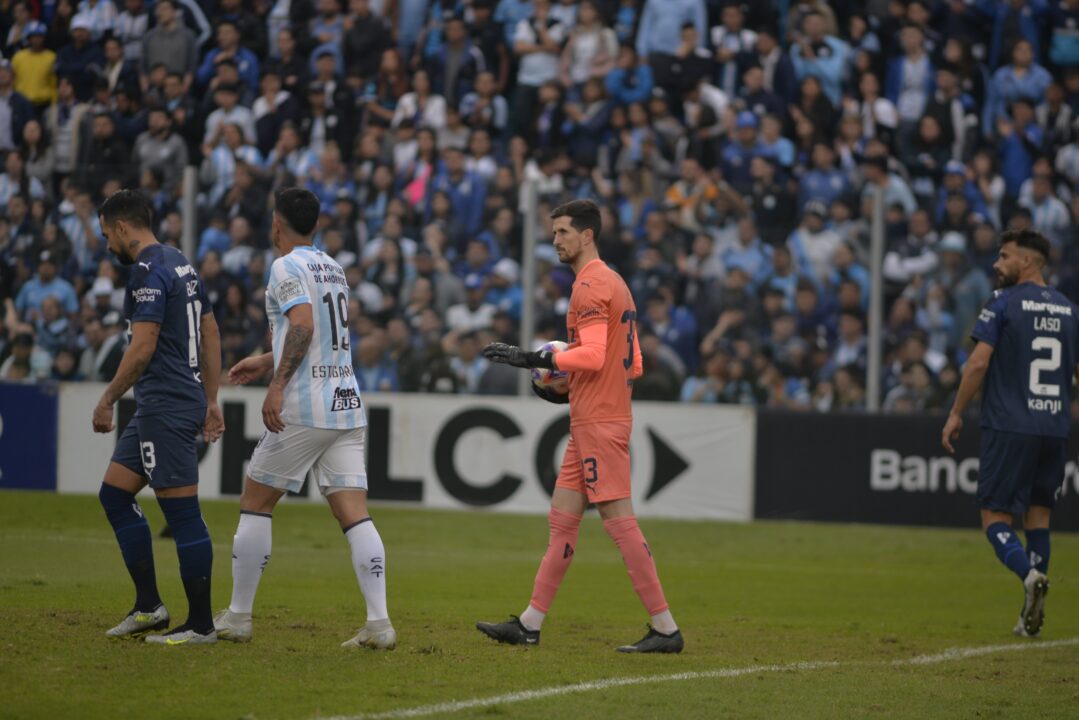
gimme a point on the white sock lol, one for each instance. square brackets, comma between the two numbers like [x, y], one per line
[250, 553]
[532, 618]
[369, 561]
[664, 622]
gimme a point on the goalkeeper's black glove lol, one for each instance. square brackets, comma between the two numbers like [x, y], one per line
[550, 395]
[515, 356]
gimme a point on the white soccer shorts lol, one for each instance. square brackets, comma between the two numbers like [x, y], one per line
[333, 459]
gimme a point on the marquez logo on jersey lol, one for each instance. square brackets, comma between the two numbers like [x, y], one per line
[345, 399]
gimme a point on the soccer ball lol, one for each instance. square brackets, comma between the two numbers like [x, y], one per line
[555, 380]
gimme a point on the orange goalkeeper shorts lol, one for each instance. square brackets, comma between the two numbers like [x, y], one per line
[596, 463]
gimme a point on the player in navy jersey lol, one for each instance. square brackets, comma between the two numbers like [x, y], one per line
[173, 360]
[1027, 347]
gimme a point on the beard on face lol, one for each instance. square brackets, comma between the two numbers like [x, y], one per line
[1007, 280]
[123, 256]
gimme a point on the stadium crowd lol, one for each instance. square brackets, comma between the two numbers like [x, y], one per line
[735, 149]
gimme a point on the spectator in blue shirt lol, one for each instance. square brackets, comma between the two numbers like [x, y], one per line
[751, 254]
[738, 154]
[503, 288]
[630, 81]
[375, 370]
[911, 78]
[1023, 78]
[45, 284]
[660, 31]
[821, 55]
[1020, 140]
[675, 326]
[228, 47]
[78, 59]
[466, 190]
[1064, 40]
[753, 95]
[511, 12]
[1013, 20]
[955, 181]
[824, 182]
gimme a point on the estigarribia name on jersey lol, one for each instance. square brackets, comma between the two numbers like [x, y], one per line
[165, 289]
[323, 392]
[1034, 332]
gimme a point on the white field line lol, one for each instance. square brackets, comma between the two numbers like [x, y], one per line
[724, 673]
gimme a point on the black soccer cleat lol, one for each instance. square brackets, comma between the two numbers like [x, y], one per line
[656, 642]
[511, 632]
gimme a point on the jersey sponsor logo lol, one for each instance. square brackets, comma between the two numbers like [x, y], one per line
[327, 274]
[345, 399]
[145, 294]
[588, 313]
[1051, 308]
[184, 270]
[145, 265]
[288, 290]
[986, 315]
[319, 372]
[1045, 405]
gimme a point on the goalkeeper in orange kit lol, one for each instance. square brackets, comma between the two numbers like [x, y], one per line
[603, 359]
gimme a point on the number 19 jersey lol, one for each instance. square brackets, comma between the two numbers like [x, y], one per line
[322, 392]
[1034, 331]
[600, 296]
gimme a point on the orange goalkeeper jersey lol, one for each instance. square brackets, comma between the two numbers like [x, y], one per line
[600, 295]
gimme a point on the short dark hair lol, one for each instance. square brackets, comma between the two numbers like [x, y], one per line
[583, 215]
[1031, 239]
[131, 206]
[299, 208]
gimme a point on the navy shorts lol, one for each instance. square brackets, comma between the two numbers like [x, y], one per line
[1018, 471]
[163, 447]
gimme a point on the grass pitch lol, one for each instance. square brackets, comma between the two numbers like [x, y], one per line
[857, 601]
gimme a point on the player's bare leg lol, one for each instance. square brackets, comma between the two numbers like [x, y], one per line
[349, 506]
[621, 524]
[250, 554]
[564, 520]
[117, 496]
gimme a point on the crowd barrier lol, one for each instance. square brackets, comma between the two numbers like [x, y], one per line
[502, 454]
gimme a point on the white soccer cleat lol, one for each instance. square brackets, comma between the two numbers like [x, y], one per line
[376, 634]
[1031, 619]
[182, 636]
[234, 627]
[140, 622]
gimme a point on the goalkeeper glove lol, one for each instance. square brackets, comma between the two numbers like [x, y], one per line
[515, 356]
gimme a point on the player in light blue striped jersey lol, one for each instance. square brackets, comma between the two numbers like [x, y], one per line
[314, 420]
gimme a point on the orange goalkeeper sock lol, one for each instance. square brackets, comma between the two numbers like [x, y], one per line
[556, 560]
[639, 563]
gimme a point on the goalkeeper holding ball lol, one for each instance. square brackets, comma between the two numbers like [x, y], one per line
[602, 361]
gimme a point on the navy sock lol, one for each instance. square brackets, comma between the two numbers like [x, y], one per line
[1008, 548]
[133, 533]
[1038, 549]
[196, 557]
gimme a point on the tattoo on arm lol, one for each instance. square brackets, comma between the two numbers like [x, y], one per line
[297, 340]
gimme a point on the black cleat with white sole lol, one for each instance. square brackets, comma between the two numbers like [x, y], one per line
[656, 642]
[511, 632]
